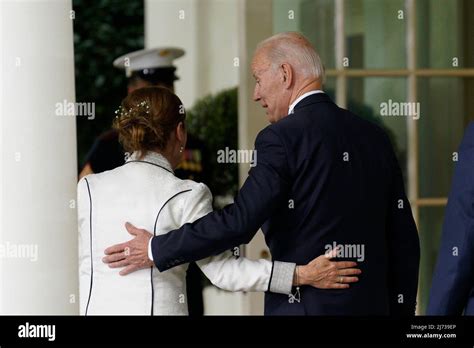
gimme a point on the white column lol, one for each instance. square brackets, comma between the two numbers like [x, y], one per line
[174, 23]
[38, 170]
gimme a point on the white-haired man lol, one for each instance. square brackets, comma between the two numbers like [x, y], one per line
[324, 177]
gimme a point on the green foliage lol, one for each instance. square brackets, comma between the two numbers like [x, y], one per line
[213, 120]
[103, 30]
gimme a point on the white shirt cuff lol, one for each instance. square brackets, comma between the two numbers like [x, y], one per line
[150, 254]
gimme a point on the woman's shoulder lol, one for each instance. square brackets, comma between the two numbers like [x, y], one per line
[195, 189]
[102, 176]
[85, 180]
[197, 201]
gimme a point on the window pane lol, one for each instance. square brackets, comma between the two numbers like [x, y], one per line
[314, 18]
[330, 87]
[366, 97]
[430, 228]
[286, 15]
[445, 108]
[445, 32]
[380, 48]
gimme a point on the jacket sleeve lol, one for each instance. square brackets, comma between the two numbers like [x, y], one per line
[227, 271]
[403, 245]
[237, 223]
[454, 273]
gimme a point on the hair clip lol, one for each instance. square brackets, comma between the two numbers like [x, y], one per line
[140, 107]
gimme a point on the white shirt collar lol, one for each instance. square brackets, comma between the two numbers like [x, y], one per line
[154, 158]
[307, 94]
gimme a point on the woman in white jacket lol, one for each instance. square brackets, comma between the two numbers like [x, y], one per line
[145, 192]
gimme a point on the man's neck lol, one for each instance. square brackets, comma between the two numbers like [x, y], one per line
[305, 88]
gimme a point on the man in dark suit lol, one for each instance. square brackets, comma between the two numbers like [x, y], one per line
[452, 289]
[323, 177]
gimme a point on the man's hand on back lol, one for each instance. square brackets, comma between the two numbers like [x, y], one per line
[133, 255]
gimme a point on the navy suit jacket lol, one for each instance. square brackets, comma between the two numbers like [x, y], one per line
[323, 175]
[452, 289]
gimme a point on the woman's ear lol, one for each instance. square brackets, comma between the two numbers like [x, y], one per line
[181, 134]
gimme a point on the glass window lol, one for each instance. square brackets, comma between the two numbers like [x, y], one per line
[330, 87]
[445, 34]
[314, 18]
[430, 229]
[443, 106]
[368, 95]
[383, 48]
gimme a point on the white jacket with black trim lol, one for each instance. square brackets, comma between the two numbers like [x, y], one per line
[146, 193]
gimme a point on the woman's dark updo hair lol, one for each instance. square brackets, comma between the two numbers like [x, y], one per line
[146, 119]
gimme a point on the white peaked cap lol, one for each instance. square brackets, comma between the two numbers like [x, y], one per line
[161, 57]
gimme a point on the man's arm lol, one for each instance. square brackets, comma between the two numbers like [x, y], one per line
[236, 224]
[225, 270]
[264, 189]
[241, 274]
[403, 246]
[454, 272]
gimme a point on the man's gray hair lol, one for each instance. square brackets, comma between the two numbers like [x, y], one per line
[294, 48]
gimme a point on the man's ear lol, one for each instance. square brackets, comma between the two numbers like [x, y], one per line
[287, 73]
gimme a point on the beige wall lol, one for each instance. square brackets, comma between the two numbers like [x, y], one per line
[256, 24]
[207, 31]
